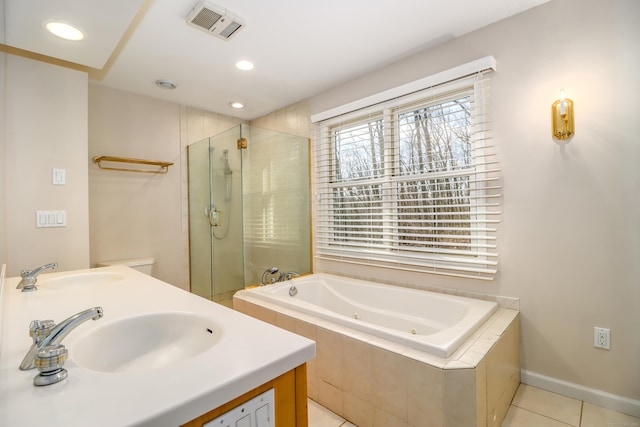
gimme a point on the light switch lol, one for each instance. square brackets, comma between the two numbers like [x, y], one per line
[244, 421]
[41, 219]
[262, 417]
[59, 177]
[46, 219]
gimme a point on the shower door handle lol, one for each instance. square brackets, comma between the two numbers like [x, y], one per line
[215, 217]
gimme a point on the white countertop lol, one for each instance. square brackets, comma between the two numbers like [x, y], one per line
[248, 353]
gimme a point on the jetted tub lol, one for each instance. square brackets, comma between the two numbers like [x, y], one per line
[427, 321]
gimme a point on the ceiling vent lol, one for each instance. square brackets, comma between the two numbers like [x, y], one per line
[215, 20]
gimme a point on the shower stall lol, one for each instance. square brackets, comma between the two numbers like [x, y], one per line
[249, 209]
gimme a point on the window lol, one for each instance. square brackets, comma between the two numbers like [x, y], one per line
[411, 184]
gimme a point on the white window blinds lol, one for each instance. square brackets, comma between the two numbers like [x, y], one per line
[411, 184]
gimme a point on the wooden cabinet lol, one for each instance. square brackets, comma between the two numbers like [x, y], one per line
[290, 400]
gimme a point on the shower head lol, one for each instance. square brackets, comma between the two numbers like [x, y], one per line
[225, 159]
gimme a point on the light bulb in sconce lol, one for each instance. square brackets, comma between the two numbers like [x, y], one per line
[563, 103]
[562, 125]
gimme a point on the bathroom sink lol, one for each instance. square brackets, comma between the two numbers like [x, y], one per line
[80, 279]
[144, 343]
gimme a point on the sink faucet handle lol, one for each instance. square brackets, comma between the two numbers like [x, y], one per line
[29, 273]
[38, 329]
[50, 361]
[33, 273]
[30, 277]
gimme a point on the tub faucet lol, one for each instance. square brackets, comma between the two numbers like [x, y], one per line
[268, 271]
[47, 333]
[30, 277]
[287, 275]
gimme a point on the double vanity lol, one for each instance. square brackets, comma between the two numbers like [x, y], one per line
[157, 356]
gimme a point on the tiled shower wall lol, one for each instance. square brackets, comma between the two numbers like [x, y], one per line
[294, 120]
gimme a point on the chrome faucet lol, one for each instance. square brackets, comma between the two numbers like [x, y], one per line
[47, 333]
[30, 277]
[287, 275]
[268, 271]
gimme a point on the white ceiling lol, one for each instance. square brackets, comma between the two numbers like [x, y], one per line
[300, 47]
[104, 23]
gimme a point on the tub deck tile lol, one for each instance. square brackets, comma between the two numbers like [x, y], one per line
[421, 356]
[474, 356]
[457, 364]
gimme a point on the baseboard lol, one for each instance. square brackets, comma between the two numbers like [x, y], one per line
[575, 391]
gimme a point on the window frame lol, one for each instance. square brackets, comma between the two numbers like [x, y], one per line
[435, 259]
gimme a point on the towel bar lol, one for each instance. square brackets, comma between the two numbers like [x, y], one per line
[164, 166]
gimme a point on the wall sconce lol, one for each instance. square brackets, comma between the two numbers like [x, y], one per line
[562, 125]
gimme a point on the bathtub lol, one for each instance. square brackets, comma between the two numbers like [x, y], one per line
[426, 321]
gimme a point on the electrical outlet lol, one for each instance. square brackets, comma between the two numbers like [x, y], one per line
[602, 338]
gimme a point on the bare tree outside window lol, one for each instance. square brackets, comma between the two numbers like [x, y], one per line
[435, 141]
[434, 152]
[358, 208]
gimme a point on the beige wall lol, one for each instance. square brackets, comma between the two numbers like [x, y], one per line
[132, 214]
[570, 234]
[45, 127]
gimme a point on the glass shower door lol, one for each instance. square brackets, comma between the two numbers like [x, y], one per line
[215, 218]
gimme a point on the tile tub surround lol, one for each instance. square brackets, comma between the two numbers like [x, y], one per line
[373, 382]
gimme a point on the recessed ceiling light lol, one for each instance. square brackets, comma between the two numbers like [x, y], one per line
[237, 105]
[244, 65]
[166, 84]
[64, 30]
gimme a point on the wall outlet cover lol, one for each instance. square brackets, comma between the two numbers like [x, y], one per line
[602, 338]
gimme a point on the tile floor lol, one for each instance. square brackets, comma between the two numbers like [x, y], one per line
[319, 416]
[531, 407]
